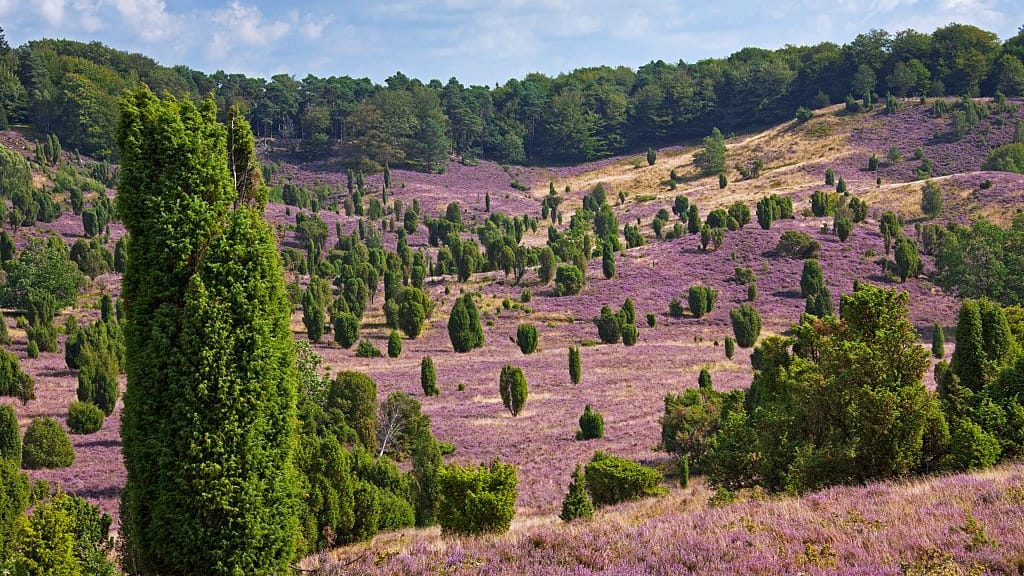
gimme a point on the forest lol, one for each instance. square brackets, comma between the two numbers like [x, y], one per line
[71, 89]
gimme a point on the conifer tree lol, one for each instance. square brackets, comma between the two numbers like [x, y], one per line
[209, 412]
[577, 502]
[969, 356]
[938, 342]
[575, 368]
[428, 377]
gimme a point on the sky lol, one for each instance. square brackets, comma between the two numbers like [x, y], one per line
[477, 41]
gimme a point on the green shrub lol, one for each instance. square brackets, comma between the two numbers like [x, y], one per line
[591, 425]
[10, 436]
[33, 349]
[797, 244]
[730, 347]
[394, 345]
[675, 308]
[938, 342]
[611, 480]
[513, 389]
[609, 326]
[13, 381]
[84, 418]
[526, 338]
[366, 349]
[525, 296]
[577, 502]
[751, 291]
[476, 500]
[569, 280]
[575, 368]
[1006, 158]
[931, 199]
[46, 445]
[428, 377]
[701, 300]
[346, 329]
[464, 328]
[746, 325]
[651, 320]
[629, 334]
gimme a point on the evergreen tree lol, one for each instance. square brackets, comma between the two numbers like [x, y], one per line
[428, 377]
[394, 344]
[746, 325]
[512, 386]
[968, 361]
[208, 425]
[608, 260]
[575, 367]
[704, 380]
[730, 347]
[652, 156]
[464, 328]
[577, 502]
[938, 342]
[10, 439]
[312, 315]
[820, 303]
[811, 280]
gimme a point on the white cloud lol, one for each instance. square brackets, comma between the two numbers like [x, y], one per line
[51, 10]
[88, 15]
[149, 19]
[313, 27]
[246, 24]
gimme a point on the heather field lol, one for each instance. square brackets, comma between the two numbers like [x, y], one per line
[965, 524]
[864, 530]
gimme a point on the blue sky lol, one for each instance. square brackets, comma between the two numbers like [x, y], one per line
[478, 41]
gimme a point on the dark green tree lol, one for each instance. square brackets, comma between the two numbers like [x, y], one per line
[208, 425]
[575, 367]
[513, 389]
[346, 329]
[710, 159]
[938, 342]
[652, 157]
[730, 347]
[746, 325]
[46, 445]
[577, 502]
[428, 377]
[908, 261]
[811, 280]
[968, 361]
[476, 500]
[464, 328]
[526, 338]
[394, 344]
[931, 199]
[591, 424]
[354, 394]
[10, 436]
[608, 261]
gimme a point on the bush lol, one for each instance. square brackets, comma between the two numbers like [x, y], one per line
[609, 325]
[938, 342]
[675, 308]
[931, 199]
[803, 114]
[569, 280]
[797, 244]
[1006, 158]
[33, 349]
[13, 381]
[629, 334]
[611, 480]
[651, 320]
[575, 367]
[346, 329]
[476, 500]
[577, 502]
[428, 377]
[842, 227]
[746, 325]
[751, 291]
[46, 445]
[84, 418]
[366, 349]
[394, 345]
[513, 389]
[701, 300]
[730, 347]
[526, 338]
[591, 425]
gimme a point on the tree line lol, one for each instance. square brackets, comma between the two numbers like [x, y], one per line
[70, 89]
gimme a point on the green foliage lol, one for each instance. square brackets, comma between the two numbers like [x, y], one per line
[723, 181]
[575, 367]
[746, 325]
[14, 498]
[803, 115]
[10, 436]
[969, 355]
[346, 329]
[711, 159]
[971, 447]
[569, 280]
[772, 208]
[32, 350]
[824, 203]
[394, 345]
[608, 261]
[43, 268]
[651, 320]
[526, 338]
[546, 270]
[609, 325]
[313, 315]
[629, 334]
[366, 349]
[704, 380]
[675, 308]
[428, 377]
[611, 480]
[464, 329]
[730, 347]
[931, 199]
[14, 382]
[908, 261]
[811, 279]
[513, 389]
[46, 445]
[577, 502]
[208, 342]
[476, 500]
[820, 303]
[938, 342]
[652, 156]
[701, 300]
[591, 425]
[98, 368]
[797, 244]
[84, 418]
[842, 226]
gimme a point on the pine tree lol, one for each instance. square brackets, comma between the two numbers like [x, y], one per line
[10, 438]
[811, 280]
[394, 344]
[608, 261]
[513, 389]
[577, 502]
[209, 413]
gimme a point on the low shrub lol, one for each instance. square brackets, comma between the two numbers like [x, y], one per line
[611, 480]
[84, 418]
[476, 500]
[366, 349]
[591, 425]
[46, 445]
[526, 338]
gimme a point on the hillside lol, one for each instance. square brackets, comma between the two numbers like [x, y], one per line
[629, 384]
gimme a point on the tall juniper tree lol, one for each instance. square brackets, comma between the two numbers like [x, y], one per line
[209, 411]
